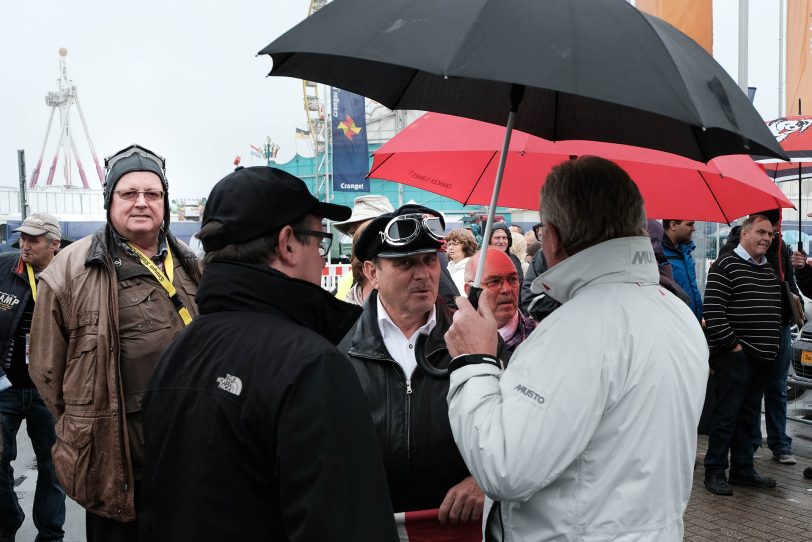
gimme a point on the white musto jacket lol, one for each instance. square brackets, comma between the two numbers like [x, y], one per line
[590, 432]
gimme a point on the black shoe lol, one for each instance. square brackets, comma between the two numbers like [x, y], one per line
[717, 484]
[756, 480]
[808, 472]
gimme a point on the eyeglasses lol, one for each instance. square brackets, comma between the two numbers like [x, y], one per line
[130, 195]
[452, 243]
[496, 283]
[135, 149]
[537, 230]
[325, 240]
[404, 229]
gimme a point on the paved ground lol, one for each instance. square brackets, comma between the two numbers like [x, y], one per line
[780, 514]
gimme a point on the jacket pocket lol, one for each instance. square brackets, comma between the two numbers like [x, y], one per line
[140, 312]
[73, 458]
[80, 368]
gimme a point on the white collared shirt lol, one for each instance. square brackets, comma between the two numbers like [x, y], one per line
[397, 344]
[744, 255]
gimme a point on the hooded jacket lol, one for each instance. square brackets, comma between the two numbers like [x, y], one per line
[255, 426]
[513, 258]
[590, 439]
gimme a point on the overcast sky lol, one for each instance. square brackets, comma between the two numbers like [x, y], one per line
[182, 79]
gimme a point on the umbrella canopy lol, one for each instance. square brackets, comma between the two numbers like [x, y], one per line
[794, 134]
[457, 158]
[573, 69]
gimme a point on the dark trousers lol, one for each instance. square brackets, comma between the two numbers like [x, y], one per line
[16, 405]
[99, 529]
[775, 400]
[739, 384]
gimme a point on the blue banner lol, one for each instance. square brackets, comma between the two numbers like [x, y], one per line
[350, 152]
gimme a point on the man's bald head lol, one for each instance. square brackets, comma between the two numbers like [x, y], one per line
[500, 273]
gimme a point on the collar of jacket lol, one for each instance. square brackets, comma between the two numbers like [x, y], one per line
[683, 248]
[368, 343]
[102, 246]
[19, 269]
[234, 286]
[620, 260]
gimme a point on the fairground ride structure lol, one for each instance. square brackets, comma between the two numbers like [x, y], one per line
[318, 129]
[65, 97]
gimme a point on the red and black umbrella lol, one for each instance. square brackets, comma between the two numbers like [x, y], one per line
[559, 69]
[794, 134]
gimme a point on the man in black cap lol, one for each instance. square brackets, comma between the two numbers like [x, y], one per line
[40, 235]
[108, 306]
[424, 468]
[255, 426]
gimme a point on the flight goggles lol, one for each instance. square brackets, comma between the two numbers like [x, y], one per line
[405, 229]
[110, 161]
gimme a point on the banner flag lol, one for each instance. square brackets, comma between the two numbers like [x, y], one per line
[692, 17]
[256, 152]
[799, 50]
[302, 134]
[350, 150]
[423, 526]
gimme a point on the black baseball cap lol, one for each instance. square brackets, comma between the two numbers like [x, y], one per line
[372, 241]
[256, 201]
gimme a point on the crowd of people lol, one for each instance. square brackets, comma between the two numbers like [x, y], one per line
[177, 399]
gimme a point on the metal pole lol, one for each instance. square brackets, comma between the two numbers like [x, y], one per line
[744, 11]
[21, 165]
[782, 58]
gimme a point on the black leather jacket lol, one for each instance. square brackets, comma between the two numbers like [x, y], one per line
[411, 417]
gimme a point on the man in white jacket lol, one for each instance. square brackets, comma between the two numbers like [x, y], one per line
[590, 433]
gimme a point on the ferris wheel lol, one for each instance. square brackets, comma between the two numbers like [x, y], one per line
[313, 106]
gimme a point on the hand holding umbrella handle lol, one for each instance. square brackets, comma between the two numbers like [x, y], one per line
[473, 296]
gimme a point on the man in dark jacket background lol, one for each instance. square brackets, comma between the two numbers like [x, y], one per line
[255, 426]
[40, 236]
[424, 469]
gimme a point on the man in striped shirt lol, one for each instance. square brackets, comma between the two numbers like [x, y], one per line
[743, 316]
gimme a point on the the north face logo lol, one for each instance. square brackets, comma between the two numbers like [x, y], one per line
[229, 383]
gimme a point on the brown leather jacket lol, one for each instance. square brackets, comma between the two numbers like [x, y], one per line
[74, 363]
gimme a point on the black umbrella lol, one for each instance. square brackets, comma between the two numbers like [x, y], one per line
[559, 69]
[591, 69]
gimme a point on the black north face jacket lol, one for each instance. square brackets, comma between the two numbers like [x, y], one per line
[255, 425]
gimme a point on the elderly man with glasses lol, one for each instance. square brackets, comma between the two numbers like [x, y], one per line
[501, 278]
[107, 308]
[424, 469]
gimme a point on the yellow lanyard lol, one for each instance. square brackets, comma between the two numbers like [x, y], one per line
[164, 281]
[32, 281]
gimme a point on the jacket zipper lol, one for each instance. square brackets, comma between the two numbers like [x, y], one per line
[122, 420]
[408, 421]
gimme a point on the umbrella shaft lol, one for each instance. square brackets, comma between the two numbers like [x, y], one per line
[497, 185]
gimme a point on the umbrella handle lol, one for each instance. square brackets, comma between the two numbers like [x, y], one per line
[473, 296]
